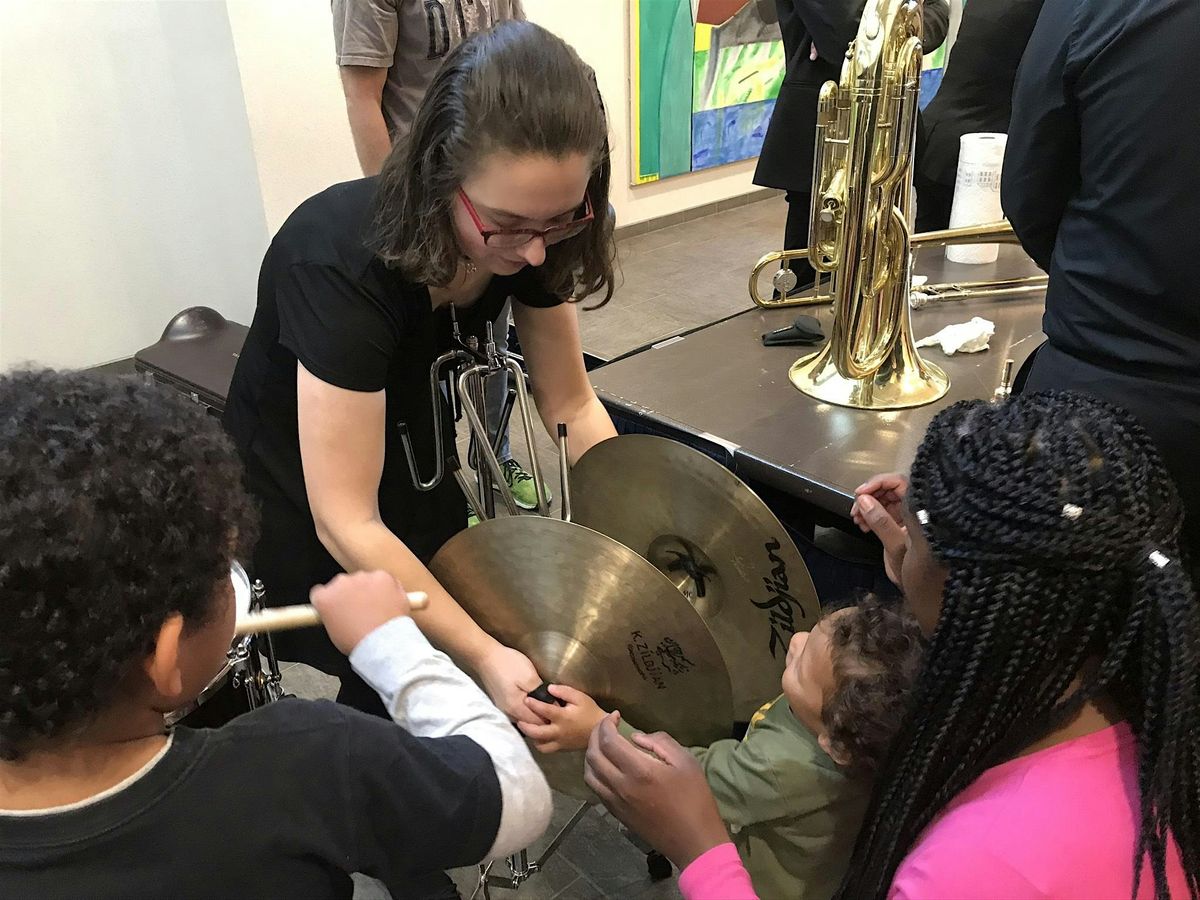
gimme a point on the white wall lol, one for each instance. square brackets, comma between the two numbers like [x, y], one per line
[298, 119]
[128, 179]
[149, 148]
[294, 101]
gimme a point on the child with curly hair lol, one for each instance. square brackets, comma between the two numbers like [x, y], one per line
[793, 791]
[121, 511]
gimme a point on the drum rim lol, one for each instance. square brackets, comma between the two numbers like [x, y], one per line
[237, 660]
[242, 592]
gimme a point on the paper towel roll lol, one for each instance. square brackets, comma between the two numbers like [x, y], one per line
[977, 193]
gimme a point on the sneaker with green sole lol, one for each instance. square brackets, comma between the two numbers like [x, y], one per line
[521, 484]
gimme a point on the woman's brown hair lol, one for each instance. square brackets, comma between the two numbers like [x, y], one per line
[518, 89]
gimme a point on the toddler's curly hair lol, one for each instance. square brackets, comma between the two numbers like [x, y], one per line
[876, 650]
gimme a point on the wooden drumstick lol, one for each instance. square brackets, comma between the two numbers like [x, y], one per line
[285, 618]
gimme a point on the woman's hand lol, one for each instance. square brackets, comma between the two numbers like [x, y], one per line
[879, 508]
[657, 788]
[567, 727]
[508, 676]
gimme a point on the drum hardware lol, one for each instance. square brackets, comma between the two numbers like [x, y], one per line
[520, 868]
[458, 378]
[272, 680]
[472, 391]
[714, 540]
[506, 409]
[591, 613]
[460, 477]
[243, 683]
[442, 384]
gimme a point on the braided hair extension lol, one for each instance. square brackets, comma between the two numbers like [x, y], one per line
[1060, 530]
[121, 503]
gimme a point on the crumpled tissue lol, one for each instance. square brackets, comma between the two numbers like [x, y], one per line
[965, 337]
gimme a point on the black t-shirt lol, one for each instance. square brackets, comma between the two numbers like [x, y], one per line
[326, 300]
[284, 801]
[1102, 183]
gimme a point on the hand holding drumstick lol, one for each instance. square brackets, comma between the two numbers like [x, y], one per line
[350, 607]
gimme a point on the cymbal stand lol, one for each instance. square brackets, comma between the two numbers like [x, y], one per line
[471, 391]
[269, 682]
[564, 473]
[520, 868]
[459, 378]
[442, 383]
[465, 486]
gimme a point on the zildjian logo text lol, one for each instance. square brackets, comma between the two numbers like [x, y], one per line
[781, 604]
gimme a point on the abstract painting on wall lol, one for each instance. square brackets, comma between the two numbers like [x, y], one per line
[933, 67]
[705, 75]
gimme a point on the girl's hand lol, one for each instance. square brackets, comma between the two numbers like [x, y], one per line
[879, 508]
[887, 490]
[566, 727]
[657, 788]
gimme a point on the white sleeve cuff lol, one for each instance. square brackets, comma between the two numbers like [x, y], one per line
[427, 694]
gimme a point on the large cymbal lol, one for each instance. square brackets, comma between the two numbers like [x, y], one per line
[594, 615]
[715, 539]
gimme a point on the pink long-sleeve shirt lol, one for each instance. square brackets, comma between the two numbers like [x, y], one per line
[1059, 823]
[717, 874]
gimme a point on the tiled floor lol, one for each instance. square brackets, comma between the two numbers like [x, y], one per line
[671, 280]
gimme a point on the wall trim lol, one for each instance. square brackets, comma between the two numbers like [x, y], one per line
[696, 212]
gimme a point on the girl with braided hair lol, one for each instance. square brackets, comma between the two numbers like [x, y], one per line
[1051, 747]
[1053, 743]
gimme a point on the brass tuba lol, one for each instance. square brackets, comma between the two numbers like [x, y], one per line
[860, 234]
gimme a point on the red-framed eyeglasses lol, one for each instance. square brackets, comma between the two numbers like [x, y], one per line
[519, 237]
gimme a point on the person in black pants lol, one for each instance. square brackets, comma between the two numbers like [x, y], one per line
[975, 96]
[1102, 185]
[815, 38]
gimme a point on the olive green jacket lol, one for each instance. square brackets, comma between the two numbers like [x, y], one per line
[791, 812]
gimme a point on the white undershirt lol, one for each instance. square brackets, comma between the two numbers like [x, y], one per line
[103, 795]
[431, 697]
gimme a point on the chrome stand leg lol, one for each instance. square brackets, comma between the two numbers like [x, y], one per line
[519, 866]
